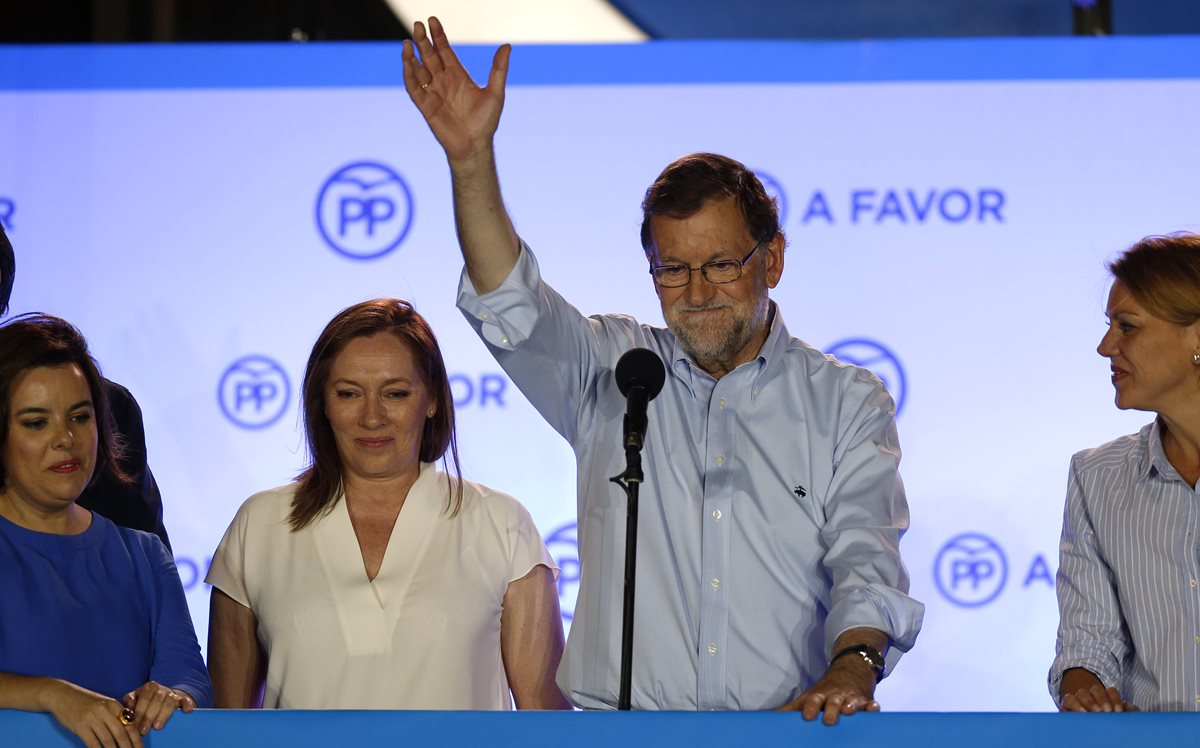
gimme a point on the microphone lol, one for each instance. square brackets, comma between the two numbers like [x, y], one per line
[640, 377]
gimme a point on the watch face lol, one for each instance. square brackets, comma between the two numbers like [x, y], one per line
[876, 661]
[873, 656]
[869, 654]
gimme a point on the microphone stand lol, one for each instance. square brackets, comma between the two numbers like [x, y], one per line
[629, 482]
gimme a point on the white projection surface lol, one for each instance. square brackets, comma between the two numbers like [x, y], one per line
[200, 212]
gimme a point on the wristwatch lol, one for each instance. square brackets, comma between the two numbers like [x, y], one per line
[869, 655]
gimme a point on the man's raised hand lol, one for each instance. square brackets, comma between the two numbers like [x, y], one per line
[462, 116]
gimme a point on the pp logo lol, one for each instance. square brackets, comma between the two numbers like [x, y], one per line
[364, 210]
[254, 392]
[970, 570]
[563, 545]
[880, 360]
[775, 190]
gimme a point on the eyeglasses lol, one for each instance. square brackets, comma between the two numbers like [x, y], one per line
[718, 271]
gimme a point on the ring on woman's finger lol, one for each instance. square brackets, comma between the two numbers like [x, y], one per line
[127, 716]
[174, 695]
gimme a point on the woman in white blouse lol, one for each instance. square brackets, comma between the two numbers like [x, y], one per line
[374, 580]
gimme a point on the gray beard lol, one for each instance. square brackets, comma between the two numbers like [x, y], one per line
[717, 349]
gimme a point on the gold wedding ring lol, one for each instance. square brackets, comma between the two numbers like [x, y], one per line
[127, 716]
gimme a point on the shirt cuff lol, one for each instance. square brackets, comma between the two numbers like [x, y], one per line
[506, 316]
[881, 608]
[1099, 664]
[202, 698]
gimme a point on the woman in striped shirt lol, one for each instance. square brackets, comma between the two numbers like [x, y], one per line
[1129, 601]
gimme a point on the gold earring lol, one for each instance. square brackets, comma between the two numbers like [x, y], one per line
[1196, 358]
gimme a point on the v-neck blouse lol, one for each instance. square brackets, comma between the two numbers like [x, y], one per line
[425, 634]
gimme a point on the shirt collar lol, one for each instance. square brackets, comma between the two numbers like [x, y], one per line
[1153, 456]
[771, 357]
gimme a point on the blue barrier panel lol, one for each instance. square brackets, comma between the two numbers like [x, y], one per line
[298, 729]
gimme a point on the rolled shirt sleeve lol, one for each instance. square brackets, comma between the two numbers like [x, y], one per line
[507, 315]
[867, 514]
[1091, 633]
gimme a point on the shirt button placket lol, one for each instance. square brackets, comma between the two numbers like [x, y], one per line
[714, 617]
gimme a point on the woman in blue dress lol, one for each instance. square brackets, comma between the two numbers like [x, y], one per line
[94, 627]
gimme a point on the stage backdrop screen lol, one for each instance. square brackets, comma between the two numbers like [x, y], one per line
[200, 212]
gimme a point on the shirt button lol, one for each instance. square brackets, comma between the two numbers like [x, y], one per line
[504, 340]
[712, 650]
[721, 461]
[716, 585]
[1193, 583]
[485, 315]
[1196, 639]
[756, 392]
[716, 514]
[722, 403]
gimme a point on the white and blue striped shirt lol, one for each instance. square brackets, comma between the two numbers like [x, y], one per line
[1129, 562]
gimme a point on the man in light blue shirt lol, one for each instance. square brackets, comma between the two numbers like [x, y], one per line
[769, 573]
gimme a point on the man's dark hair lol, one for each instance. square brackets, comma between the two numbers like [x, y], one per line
[691, 181]
[8, 270]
